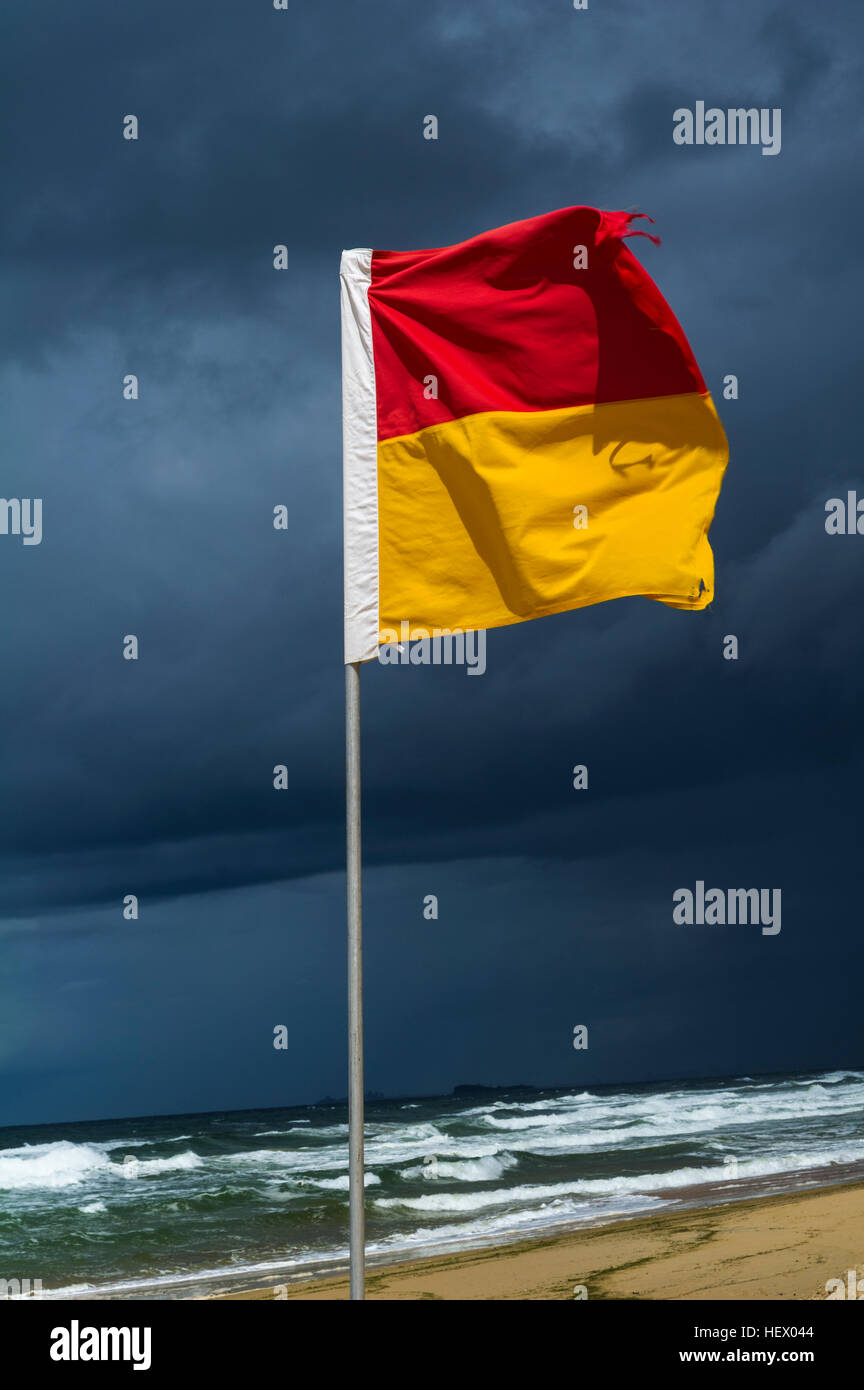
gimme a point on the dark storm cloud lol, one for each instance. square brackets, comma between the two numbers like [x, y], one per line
[259, 126]
[154, 257]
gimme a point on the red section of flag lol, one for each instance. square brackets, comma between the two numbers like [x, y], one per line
[506, 322]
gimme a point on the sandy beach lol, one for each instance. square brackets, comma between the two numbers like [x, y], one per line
[783, 1247]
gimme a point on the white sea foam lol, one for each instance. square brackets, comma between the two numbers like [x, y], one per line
[148, 1167]
[65, 1164]
[62, 1164]
[112, 1144]
[292, 1125]
[339, 1184]
[463, 1170]
[629, 1120]
[527, 1121]
[554, 1102]
[620, 1186]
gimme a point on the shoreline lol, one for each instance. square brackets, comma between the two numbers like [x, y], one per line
[329, 1273]
[783, 1246]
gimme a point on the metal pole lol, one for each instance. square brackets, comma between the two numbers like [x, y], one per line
[356, 1193]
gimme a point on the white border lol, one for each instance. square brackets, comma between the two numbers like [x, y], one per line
[359, 460]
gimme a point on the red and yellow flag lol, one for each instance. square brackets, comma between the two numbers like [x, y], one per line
[525, 431]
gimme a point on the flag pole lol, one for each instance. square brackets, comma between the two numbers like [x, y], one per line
[356, 1192]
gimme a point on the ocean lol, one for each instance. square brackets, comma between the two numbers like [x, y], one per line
[177, 1206]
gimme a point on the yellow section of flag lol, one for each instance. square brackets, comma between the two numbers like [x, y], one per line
[503, 516]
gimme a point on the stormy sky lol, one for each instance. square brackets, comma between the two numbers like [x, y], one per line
[155, 777]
